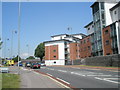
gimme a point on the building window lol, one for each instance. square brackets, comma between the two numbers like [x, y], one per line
[106, 31]
[84, 41]
[108, 54]
[85, 49]
[88, 28]
[88, 47]
[115, 12]
[54, 50]
[81, 42]
[88, 40]
[107, 42]
[54, 56]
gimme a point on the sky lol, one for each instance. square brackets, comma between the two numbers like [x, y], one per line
[39, 21]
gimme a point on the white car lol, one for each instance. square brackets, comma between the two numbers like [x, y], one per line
[4, 69]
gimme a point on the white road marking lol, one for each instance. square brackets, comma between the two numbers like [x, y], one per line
[77, 74]
[100, 75]
[62, 71]
[51, 69]
[105, 79]
[112, 78]
[49, 74]
[63, 80]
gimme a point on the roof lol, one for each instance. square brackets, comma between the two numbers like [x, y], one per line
[72, 37]
[93, 4]
[78, 34]
[114, 7]
[88, 24]
[59, 35]
[56, 40]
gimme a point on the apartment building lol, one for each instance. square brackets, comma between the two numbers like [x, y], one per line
[111, 33]
[60, 49]
[101, 19]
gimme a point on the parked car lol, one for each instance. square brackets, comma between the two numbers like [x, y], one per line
[35, 65]
[43, 64]
[20, 64]
[28, 64]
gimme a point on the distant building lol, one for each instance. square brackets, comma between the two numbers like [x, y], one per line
[58, 51]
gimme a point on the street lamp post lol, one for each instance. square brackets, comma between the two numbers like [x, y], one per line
[19, 9]
[28, 49]
[13, 31]
[6, 39]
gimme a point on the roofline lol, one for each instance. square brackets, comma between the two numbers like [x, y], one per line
[93, 4]
[79, 34]
[56, 41]
[58, 35]
[88, 24]
[118, 4]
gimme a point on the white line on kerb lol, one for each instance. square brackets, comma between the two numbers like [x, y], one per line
[63, 80]
[49, 74]
[105, 79]
[36, 72]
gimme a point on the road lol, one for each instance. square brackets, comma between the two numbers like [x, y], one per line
[84, 78]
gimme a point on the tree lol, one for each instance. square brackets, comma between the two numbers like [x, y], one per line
[30, 57]
[0, 43]
[16, 58]
[40, 51]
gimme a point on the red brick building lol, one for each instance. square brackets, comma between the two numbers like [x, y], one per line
[107, 41]
[85, 47]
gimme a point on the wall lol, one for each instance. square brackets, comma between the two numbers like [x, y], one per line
[49, 52]
[73, 52]
[61, 48]
[108, 6]
[106, 36]
[84, 51]
[110, 60]
[55, 62]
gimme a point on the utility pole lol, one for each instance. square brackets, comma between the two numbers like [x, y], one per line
[19, 16]
[12, 43]
[28, 49]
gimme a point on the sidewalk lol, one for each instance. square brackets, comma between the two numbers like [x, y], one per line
[32, 79]
[92, 67]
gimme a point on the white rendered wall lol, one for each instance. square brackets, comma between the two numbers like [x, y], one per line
[91, 29]
[58, 62]
[114, 16]
[108, 6]
[118, 36]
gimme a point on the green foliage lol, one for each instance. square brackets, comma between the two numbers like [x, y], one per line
[40, 51]
[16, 58]
[30, 57]
[0, 43]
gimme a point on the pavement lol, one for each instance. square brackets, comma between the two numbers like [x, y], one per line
[32, 79]
[84, 77]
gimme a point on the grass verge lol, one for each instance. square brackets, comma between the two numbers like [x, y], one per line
[10, 80]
